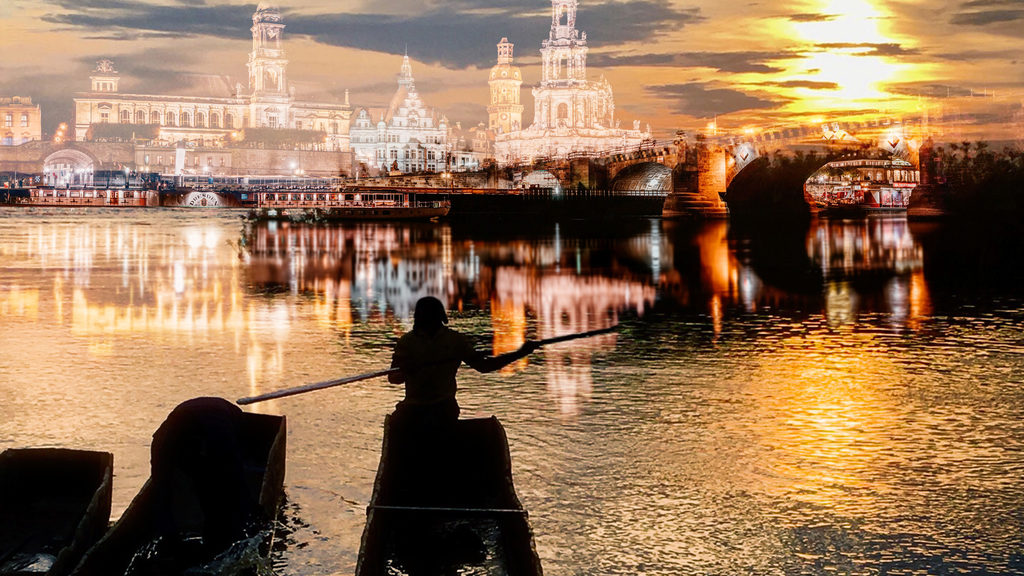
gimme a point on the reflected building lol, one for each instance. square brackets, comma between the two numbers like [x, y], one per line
[378, 273]
[840, 268]
[183, 290]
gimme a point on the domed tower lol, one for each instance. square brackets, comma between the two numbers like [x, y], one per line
[505, 112]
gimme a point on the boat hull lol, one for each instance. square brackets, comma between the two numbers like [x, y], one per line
[350, 213]
[446, 503]
[56, 504]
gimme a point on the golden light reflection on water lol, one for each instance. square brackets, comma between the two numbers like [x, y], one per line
[826, 423]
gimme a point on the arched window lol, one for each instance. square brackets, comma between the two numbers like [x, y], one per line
[170, 120]
[154, 117]
[140, 117]
[214, 120]
[200, 120]
[229, 120]
[186, 120]
[563, 111]
[334, 127]
[126, 117]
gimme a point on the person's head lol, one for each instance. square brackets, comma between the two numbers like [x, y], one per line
[430, 315]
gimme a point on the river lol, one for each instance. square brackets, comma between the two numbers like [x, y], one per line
[839, 398]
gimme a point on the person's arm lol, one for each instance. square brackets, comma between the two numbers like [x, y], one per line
[398, 361]
[484, 363]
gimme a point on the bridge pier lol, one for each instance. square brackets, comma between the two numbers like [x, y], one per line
[927, 200]
[699, 183]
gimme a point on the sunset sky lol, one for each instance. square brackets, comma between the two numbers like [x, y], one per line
[673, 63]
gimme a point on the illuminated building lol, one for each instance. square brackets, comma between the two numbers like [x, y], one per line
[19, 121]
[214, 120]
[405, 137]
[572, 115]
[505, 113]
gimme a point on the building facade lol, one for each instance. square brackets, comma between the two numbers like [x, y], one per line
[404, 137]
[269, 102]
[505, 113]
[471, 148]
[20, 121]
[572, 115]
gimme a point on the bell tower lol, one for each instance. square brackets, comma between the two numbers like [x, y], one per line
[271, 98]
[565, 51]
[505, 113]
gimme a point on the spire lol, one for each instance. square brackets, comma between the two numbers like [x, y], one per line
[405, 76]
[563, 19]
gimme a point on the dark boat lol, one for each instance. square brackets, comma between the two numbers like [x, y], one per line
[444, 503]
[211, 502]
[55, 505]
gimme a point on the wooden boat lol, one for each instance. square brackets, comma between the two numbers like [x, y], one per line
[55, 505]
[185, 517]
[444, 502]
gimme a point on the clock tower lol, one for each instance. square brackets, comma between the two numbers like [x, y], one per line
[268, 82]
[505, 113]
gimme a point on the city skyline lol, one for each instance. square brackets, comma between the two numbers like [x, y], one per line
[676, 65]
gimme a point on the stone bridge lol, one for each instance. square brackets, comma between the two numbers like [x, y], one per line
[696, 175]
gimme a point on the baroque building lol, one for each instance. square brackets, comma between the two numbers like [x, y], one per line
[20, 121]
[269, 101]
[505, 113]
[572, 115]
[406, 136]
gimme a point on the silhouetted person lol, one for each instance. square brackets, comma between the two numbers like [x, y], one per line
[427, 448]
[198, 473]
[429, 357]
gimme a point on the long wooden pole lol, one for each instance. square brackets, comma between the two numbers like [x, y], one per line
[370, 375]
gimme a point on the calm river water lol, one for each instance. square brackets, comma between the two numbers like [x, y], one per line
[846, 398]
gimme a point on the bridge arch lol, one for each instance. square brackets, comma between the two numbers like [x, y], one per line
[542, 179]
[645, 177]
[69, 166]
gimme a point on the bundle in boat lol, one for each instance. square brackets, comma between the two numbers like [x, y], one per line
[55, 505]
[444, 503]
[210, 504]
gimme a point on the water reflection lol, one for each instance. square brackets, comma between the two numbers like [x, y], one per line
[378, 272]
[779, 400]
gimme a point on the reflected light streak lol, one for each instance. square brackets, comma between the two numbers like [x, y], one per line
[16, 301]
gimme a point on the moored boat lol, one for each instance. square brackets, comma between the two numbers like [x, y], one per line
[346, 204]
[861, 187]
[81, 197]
[210, 504]
[444, 501]
[54, 505]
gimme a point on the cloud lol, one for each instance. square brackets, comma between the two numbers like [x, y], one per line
[469, 28]
[809, 84]
[697, 99]
[984, 12]
[812, 17]
[109, 17]
[869, 49]
[735, 62]
[928, 90]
